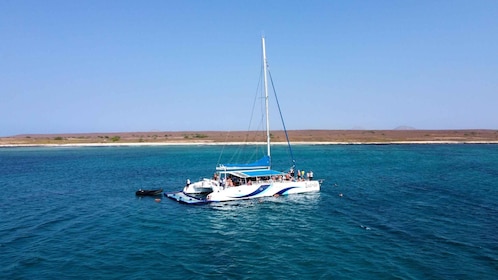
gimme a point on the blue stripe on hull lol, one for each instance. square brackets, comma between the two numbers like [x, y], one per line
[261, 189]
[282, 192]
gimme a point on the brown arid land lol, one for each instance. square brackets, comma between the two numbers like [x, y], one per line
[220, 137]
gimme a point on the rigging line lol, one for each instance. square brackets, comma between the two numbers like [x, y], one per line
[282, 119]
[254, 135]
[237, 154]
[256, 95]
[223, 147]
[255, 99]
[248, 135]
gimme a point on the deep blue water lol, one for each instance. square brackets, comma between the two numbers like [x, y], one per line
[406, 212]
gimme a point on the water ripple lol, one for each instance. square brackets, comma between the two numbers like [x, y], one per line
[397, 212]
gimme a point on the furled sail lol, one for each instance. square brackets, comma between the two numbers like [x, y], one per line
[262, 163]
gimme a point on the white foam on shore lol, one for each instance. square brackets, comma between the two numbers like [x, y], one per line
[240, 143]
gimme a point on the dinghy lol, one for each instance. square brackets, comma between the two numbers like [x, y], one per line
[155, 192]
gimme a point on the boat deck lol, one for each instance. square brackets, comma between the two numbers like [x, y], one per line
[185, 198]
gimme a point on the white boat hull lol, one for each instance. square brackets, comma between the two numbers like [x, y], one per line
[263, 189]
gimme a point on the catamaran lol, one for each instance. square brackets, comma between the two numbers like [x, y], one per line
[250, 180]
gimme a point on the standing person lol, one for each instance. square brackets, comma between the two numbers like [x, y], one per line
[186, 185]
[310, 175]
[291, 171]
[298, 174]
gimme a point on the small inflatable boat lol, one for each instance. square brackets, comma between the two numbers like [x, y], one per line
[141, 192]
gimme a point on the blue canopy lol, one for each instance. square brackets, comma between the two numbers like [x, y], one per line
[263, 163]
[262, 173]
[254, 173]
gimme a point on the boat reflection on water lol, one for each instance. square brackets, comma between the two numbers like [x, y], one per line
[307, 200]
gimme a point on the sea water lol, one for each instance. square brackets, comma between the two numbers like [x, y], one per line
[384, 212]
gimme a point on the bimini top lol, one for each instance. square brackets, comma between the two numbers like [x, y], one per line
[263, 163]
[255, 173]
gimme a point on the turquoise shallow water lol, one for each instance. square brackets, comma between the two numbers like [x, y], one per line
[406, 212]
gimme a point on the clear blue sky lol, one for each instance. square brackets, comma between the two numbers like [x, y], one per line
[111, 66]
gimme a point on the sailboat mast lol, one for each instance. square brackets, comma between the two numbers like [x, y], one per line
[266, 98]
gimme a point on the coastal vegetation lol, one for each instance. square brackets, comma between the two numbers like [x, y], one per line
[309, 136]
[195, 136]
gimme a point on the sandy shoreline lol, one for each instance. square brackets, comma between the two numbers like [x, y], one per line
[297, 137]
[241, 143]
